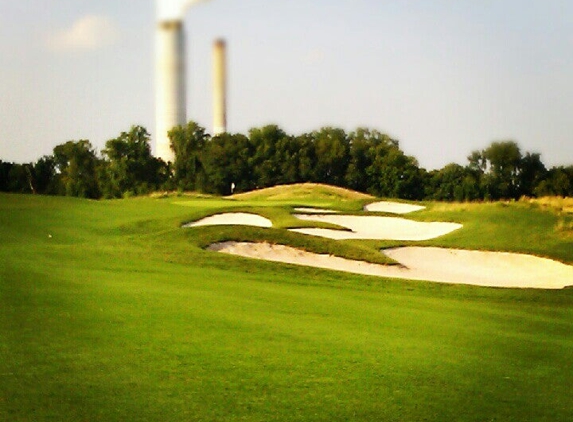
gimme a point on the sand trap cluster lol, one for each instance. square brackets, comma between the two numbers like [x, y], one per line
[479, 268]
[492, 269]
[376, 228]
[392, 207]
[232, 218]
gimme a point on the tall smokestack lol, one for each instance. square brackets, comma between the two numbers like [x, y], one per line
[170, 108]
[170, 84]
[219, 87]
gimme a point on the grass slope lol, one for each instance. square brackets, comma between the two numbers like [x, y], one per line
[304, 191]
[510, 227]
[120, 315]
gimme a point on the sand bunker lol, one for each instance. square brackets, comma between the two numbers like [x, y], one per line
[315, 210]
[376, 228]
[497, 269]
[233, 218]
[392, 207]
[491, 269]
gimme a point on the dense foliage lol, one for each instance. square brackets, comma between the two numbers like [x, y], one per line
[364, 160]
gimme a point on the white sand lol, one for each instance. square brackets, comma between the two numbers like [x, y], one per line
[315, 210]
[377, 228]
[431, 264]
[393, 207]
[499, 269]
[233, 218]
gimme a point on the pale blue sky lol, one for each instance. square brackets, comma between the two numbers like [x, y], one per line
[444, 77]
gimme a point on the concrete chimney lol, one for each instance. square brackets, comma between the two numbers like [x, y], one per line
[170, 86]
[219, 87]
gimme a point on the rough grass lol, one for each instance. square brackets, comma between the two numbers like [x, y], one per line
[555, 203]
[501, 226]
[121, 315]
[563, 207]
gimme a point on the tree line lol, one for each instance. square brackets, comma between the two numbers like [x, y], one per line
[364, 160]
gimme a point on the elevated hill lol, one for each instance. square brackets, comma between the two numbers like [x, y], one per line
[299, 191]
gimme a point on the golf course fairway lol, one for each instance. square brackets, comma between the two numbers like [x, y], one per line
[111, 311]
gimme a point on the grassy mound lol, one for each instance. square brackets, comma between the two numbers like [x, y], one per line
[109, 311]
[303, 191]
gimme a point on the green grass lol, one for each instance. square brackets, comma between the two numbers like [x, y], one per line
[316, 193]
[121, 315]
[511, 227]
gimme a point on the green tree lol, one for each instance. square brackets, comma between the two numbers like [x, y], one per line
[5, 169]
[188, 143]
[288, 157]
[18, 178]
[503, 160]
[332, 155]
[503, 172]
[76, 167]
[395, 175]
[446, 183]
[226, 162]
[454, 183]
[366, 147]
[43, 175]
[307, 158]
[129, 165]
[531, 172]
[266, 160]
[557, 182]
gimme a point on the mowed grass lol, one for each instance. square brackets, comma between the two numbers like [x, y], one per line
[121, 315]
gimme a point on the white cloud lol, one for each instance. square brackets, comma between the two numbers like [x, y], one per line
[87, 33]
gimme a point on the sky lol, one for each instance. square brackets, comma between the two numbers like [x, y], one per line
[444, 77]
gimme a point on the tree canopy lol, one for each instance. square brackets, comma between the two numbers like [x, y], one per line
[365, 160]
[128, 166]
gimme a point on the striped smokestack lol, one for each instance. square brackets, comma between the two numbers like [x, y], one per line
[170, 84]
[219, 87]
